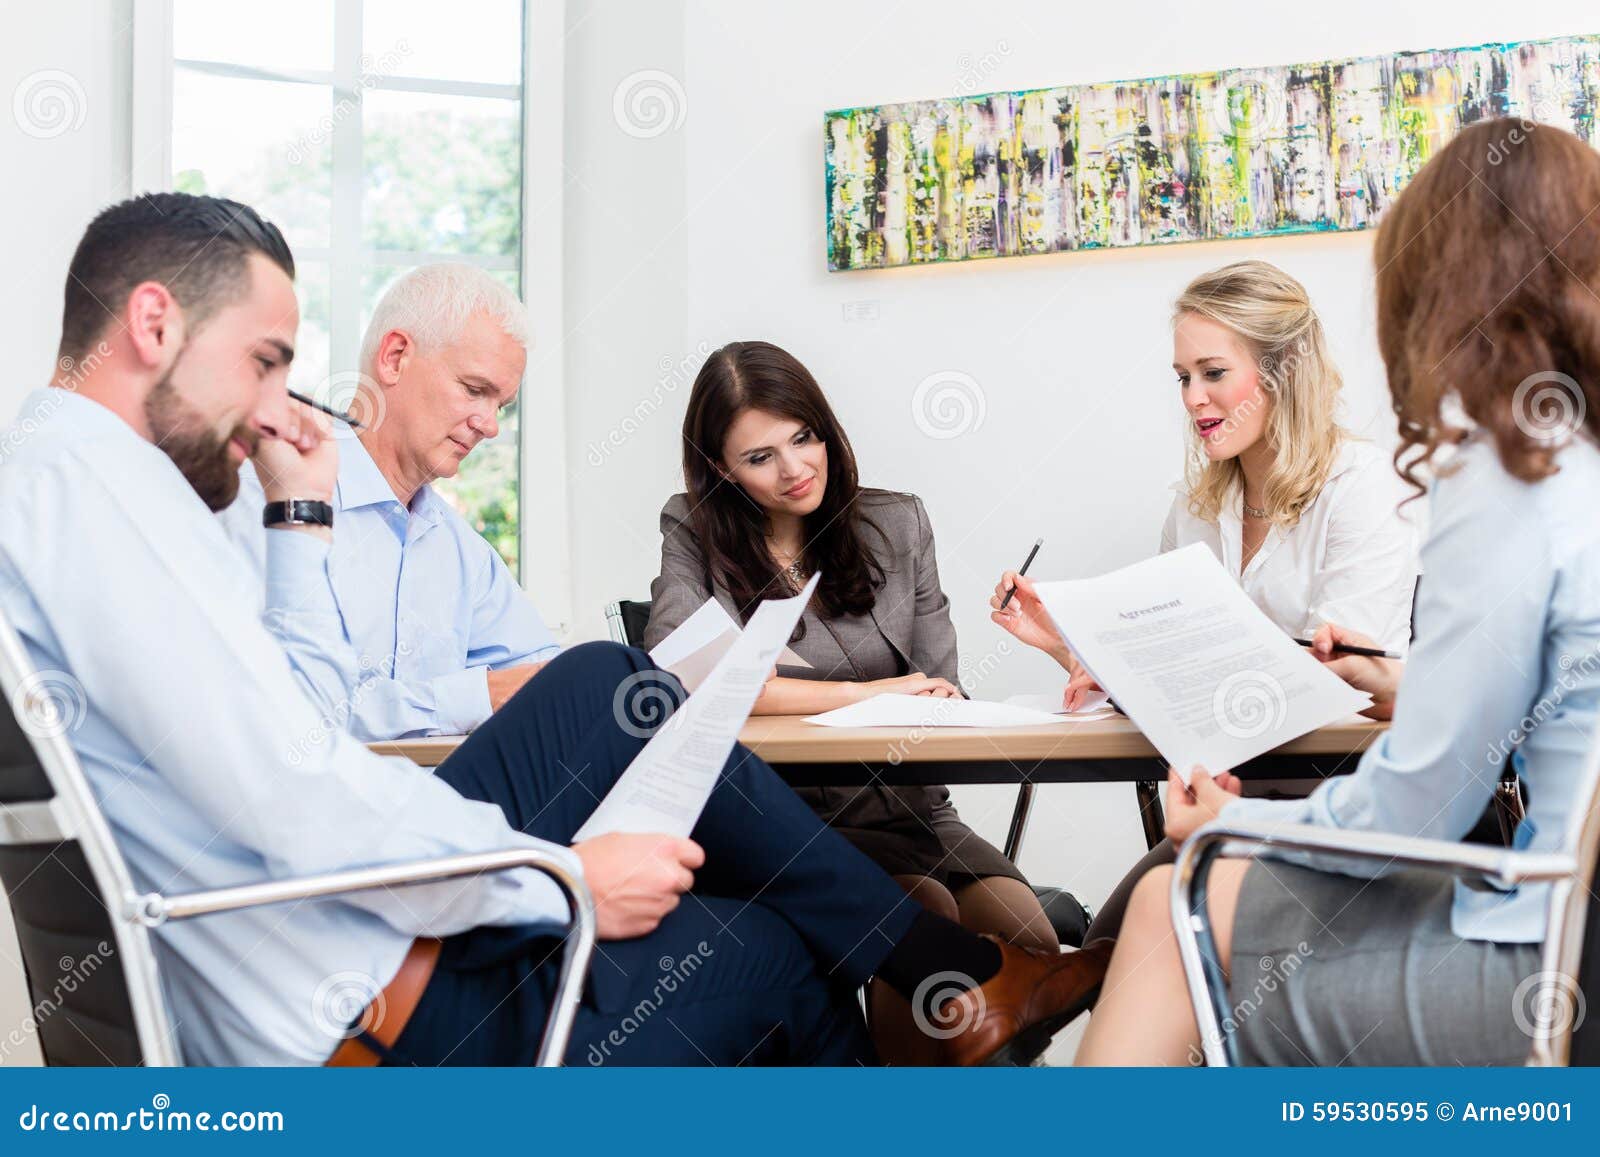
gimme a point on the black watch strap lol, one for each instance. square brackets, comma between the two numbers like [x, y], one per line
[297, 512]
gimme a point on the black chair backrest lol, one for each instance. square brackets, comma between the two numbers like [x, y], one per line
[635, 617]
[72, 957]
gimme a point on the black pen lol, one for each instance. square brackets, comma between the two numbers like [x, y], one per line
[1029, 562]
[328, 410]
[1352, 649]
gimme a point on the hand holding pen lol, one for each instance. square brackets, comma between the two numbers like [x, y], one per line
[1361, 663]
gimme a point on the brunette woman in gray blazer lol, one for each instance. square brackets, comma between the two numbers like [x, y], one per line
[773, 497]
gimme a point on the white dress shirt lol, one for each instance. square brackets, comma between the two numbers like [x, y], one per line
[425, 606]
[115, 574]
[1506, 665]
[1351, 559]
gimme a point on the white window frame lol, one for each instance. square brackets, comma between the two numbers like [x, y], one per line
[542, 526]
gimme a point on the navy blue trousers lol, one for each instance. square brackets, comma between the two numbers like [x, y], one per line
[758, 965]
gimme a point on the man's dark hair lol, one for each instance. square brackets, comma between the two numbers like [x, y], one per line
[198, 247]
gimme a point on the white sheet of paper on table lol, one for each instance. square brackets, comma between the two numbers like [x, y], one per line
[700, 641]
[1208, 678]
[1095, 705]
[666, 786]
[918, 711]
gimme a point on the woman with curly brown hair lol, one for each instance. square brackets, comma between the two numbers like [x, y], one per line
[1488, 292]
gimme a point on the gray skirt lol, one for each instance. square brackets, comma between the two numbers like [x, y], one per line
[1331, 969]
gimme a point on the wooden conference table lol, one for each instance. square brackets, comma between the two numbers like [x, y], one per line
[1108, 750]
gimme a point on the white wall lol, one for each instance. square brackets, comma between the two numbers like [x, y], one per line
[54, 183]
[626, 258]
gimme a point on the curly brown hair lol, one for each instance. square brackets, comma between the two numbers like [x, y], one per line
[1488, 292]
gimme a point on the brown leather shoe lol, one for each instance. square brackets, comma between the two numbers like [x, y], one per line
[1010, 1018]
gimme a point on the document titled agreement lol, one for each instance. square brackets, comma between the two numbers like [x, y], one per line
[1209, 679]
[666, 786]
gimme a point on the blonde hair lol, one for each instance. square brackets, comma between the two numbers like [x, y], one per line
[1271, 312]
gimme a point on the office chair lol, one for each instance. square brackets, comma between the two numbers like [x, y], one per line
[1571, 950]
[626, 621]
[72, 899]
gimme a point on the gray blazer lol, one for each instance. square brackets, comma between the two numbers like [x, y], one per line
[911, 613]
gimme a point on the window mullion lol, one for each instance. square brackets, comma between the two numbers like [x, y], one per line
[344, 267]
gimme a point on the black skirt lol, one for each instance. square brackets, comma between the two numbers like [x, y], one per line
[910, 831]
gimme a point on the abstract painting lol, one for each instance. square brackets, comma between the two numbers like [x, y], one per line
[1248, 152]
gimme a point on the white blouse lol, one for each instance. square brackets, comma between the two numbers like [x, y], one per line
[1352, 559]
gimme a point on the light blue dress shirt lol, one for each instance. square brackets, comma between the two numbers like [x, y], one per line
[1505, 666]
[425, 607]
[194, 741]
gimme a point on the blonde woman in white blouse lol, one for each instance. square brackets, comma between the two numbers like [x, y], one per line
[1304, 516]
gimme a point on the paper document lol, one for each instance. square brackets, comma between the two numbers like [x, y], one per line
[1095, 705]
[699, 643]
[1207, 677]
[666, 786]
[891, 710]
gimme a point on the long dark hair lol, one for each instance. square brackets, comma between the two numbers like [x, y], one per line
[732, 529]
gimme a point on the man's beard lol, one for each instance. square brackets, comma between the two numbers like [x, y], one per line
[200, 456]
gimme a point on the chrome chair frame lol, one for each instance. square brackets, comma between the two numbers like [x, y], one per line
[1566, 913]
[72, 815]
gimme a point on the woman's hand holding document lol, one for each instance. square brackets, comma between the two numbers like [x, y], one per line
[1206, 676]
[666, 786]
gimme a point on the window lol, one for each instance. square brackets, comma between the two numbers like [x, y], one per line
[379, 135]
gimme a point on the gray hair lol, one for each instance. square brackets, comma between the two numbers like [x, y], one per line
[432, 303]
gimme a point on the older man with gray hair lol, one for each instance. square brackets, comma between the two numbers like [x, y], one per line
[432, 632]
